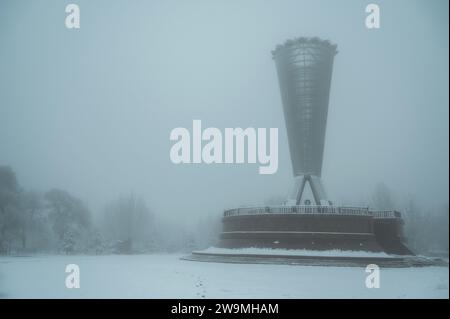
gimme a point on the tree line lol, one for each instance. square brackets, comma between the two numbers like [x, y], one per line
[425, 228]
[58, 222]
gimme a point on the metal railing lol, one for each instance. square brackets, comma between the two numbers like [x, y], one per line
[307, 209]
[386, 214]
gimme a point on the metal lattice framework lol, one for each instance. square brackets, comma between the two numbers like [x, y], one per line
[304, 68]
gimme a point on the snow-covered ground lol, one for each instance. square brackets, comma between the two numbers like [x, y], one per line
[295, 252]
[166, 276]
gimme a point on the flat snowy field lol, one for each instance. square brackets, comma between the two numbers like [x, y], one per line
[166, 276]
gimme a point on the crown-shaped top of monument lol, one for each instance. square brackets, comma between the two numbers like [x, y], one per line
[315, 41]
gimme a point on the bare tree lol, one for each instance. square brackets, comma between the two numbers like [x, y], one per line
[129, 221]
[9, 208]
[382, 198]
[69, 217]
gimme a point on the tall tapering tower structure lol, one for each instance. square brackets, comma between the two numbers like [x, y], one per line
[304, 67]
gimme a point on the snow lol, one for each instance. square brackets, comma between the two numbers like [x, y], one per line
[166, 276]
[295, 252]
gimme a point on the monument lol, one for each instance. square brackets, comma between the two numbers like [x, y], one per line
[308, 221]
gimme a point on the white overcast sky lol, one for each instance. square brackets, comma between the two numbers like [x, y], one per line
[90, 110]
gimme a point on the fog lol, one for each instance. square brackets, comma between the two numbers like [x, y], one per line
[90, 111]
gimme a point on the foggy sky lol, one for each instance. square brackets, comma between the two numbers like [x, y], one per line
[90, 110]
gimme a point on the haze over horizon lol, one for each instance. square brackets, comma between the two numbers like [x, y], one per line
[90, 110]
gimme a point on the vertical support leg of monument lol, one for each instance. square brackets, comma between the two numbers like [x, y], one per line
[315, 191]
[297, 194]
[318, 190]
